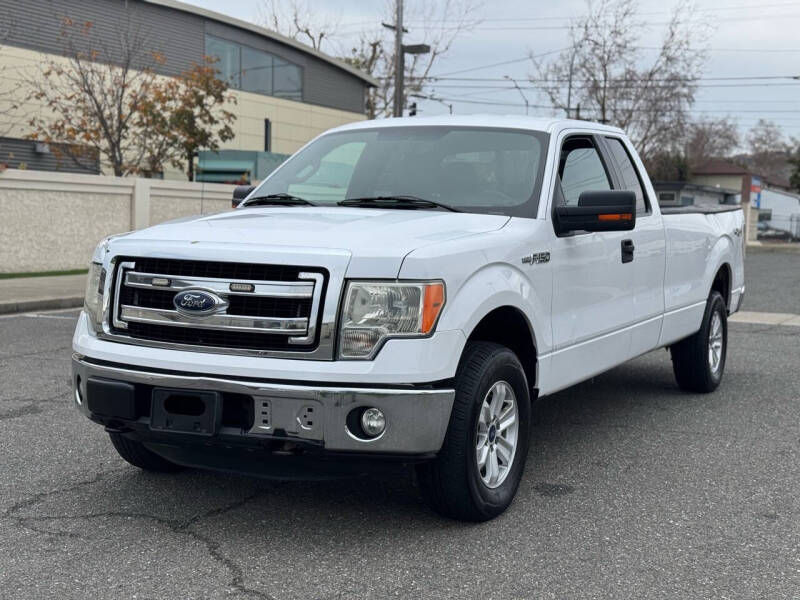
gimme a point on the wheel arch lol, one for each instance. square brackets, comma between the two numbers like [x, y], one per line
[508, 326]
[722, 283]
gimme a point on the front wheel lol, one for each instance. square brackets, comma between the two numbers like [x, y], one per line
[699, 360]
[138, 455]
[476, 474]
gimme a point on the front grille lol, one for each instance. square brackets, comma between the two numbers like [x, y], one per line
[281, 314]
[219, 270]
[262, 306]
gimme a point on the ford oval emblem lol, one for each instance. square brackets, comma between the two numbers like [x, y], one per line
[198, 303]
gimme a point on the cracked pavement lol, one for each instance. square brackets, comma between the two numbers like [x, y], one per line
[632, 489]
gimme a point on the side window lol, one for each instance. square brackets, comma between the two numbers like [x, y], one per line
[581, 170]
[630, 177]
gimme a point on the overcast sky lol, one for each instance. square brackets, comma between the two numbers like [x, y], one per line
[750, 38]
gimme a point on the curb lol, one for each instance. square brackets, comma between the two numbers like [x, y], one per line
[21, 306]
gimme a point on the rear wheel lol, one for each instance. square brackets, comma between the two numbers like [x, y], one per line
[138, 455]
[476, 474]
[699, 360]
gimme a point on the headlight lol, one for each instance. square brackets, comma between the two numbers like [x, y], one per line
[93, 301]
[375, 311]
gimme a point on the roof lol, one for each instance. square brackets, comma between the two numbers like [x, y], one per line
[273, 35]
[720, 166]
[548, 125]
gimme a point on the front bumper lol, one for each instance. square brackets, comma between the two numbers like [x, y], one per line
[416, 417]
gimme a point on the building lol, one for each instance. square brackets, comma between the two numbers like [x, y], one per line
[684, 193]
[778, 215]
[729, 175]
[286, 91]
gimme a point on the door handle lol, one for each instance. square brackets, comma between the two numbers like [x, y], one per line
[627, 251]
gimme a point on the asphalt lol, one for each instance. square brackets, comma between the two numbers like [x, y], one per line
[773, 280]
[633, 489]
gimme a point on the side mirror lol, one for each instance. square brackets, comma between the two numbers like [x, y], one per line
[610, 210]
[240, 192]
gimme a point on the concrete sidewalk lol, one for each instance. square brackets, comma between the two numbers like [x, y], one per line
[25, 294]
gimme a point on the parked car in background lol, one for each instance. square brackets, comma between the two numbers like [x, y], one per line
[402, 290]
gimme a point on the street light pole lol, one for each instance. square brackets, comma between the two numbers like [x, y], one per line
[399, 60]
[519, 89]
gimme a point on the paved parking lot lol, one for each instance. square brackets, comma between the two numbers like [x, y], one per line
[633, 490]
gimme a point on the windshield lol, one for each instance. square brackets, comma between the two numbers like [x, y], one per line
[472, 169]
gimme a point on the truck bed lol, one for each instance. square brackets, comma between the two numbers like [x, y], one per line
[704, 209]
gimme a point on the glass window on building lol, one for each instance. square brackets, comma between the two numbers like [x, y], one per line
[287, 80]
[666, 198]
[256, 71]
[229, 64]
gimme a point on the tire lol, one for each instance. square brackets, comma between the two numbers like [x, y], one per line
[136, 454]
[453, 484]
[693, 359]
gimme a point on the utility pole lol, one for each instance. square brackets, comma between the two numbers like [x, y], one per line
[400, 52]
[399, 60]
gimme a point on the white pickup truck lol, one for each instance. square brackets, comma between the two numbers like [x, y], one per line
[401, 290]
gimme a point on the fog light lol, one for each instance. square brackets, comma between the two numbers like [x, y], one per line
[373, 422]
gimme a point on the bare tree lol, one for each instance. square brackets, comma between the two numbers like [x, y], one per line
[437, 24]
[700, 141]
[298, 21]
[711, 138]
[93, 95]
[616, 81]
[768, 150]
[794, 165]
[105, 102]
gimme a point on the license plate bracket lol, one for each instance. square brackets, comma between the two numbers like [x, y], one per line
[185, 411]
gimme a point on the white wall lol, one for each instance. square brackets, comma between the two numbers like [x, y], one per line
[52, 221]
[783, 206]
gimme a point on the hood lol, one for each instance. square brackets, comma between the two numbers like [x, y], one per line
[377, 240]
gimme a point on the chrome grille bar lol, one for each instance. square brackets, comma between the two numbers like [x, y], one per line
[273, 289]
[215, 321]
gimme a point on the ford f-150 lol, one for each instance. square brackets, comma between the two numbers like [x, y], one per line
[402, 290]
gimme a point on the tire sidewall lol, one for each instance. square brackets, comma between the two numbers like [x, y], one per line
[503, 367]
[717, 304]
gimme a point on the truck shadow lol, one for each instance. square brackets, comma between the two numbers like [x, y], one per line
[570, 439]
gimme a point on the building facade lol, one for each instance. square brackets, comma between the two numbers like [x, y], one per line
[723, 173]
[684, 193]
[286, 93]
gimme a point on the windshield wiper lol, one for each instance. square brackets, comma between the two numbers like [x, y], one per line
[280, 199]
[402, 202]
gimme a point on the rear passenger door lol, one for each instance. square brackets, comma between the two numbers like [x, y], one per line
[649, 252]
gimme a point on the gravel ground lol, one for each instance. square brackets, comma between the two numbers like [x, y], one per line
[633, 489]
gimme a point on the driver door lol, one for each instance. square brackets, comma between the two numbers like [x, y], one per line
[592, 287]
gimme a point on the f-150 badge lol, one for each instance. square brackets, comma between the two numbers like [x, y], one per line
[536, 258]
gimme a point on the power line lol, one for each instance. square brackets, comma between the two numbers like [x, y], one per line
[643, 23]
[618, 86]
[673, 79]
[641, 110]
[569, 17]
[500, 64]
[649, 13]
